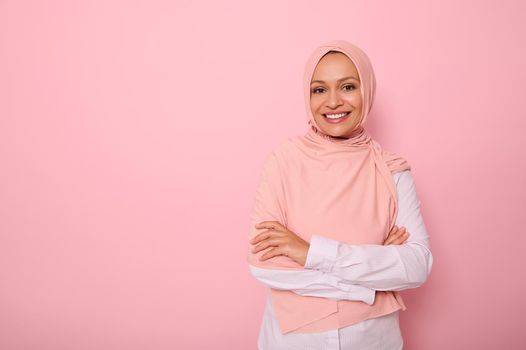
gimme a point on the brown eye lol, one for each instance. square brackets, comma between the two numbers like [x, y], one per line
[316, 90]
[349, 87]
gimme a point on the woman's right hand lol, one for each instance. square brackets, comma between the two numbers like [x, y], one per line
[397, 236]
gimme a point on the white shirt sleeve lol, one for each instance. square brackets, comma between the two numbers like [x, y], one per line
[312, 283]
[380, 267]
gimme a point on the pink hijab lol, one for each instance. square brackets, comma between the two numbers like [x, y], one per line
[362, 64]
[339, 188]
[367, 89]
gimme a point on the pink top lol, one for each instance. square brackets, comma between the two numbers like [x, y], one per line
[343, 189]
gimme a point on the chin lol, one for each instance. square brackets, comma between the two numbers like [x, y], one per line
[341, 131]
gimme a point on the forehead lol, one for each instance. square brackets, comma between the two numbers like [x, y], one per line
[333, 66]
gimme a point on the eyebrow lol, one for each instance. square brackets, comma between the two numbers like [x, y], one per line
[342, 79]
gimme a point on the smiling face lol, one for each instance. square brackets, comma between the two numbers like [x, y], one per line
[335, 97]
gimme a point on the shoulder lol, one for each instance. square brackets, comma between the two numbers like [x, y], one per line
[283, 151]
[279, 155]
[395, 162]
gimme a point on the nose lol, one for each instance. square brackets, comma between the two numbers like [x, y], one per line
[334, 99]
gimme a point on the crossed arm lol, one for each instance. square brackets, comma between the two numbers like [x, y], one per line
[339, 271]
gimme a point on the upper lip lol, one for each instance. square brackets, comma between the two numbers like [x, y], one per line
[336, 112]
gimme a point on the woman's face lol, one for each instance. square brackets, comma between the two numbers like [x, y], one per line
[335, 88]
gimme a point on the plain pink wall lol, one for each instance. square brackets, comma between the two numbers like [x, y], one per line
[132, 134]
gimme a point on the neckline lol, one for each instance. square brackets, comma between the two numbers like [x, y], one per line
[360, 138]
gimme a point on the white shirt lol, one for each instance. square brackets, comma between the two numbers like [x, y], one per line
[338, 271]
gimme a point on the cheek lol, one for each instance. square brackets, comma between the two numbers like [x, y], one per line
[355, 101]
[314, 105]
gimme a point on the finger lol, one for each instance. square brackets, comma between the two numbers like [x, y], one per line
[262, 236]
[392, 237]
[265, 244]
[266, 234]
[402, 238]
[394, 229]
[390, 241]
[276, 225]
[271, 253]
[266, 224]
[396, 242]
[399, 232]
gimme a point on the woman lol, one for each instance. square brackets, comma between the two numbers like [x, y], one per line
[324, 233]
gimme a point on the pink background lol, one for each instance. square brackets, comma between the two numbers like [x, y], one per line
[132, 134]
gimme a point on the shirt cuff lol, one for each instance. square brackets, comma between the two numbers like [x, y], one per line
[322, 253]
[369, 295]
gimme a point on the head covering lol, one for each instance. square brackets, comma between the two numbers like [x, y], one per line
[365, 73]
[338, 188]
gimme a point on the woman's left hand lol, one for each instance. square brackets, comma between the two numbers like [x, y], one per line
[286, 242]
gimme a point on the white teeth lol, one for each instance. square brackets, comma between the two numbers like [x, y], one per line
[335, 116]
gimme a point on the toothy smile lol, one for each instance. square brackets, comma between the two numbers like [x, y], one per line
[335, 116]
